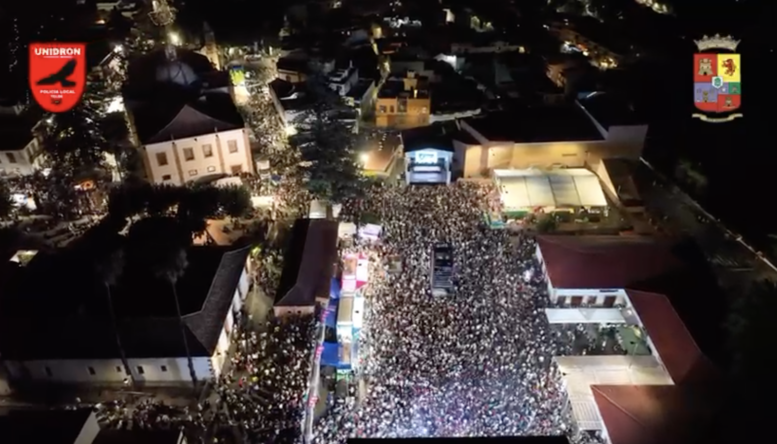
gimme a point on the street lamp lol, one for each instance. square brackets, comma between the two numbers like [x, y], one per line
[175, 39]
[364, 157]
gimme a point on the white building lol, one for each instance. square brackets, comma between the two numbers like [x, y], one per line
[200, 139]
[81, 348]
[19, 149]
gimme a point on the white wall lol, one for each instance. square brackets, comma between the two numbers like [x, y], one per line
[627, 135]
[111, 371]
[220, 162]
[26, 160]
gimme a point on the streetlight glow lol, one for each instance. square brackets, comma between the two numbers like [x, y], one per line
[175, 39]
[364, 157]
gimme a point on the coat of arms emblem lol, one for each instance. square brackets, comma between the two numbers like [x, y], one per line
[717, 79]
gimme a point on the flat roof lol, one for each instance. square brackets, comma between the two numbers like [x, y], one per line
[620, 173]
[536, 125]
[394, 88]
[575, 187]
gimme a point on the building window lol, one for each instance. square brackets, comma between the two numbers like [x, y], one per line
[237, 169]
[391, 109]
[47, 369]
[188, 154]
[424, 110]
[211, 169]
[11, 157]
[91, 371]
[192, 172]
[118, 369]
[382, 108]
[140, 370]
[167, 177]
[164, 368]
[161, 159]
[232, 145]
[207, 150]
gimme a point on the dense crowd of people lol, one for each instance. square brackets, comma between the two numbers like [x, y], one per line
[478, 362]
[261, 395]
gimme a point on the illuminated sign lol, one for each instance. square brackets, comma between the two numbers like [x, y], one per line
[426, 157]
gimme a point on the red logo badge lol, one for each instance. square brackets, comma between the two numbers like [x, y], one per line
[57, 74]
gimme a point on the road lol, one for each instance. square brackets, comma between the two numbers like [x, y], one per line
[734, 262]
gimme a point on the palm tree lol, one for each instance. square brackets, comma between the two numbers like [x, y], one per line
[171, 269]
[159, 244]
[108, 267]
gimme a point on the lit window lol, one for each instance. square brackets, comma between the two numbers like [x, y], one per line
[192, 172]
[211, 169]
[207, 151]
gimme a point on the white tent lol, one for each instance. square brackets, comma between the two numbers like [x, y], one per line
[532, 188]
[584, 316]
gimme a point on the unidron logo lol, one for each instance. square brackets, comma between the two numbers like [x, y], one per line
[717, 79]
[57, 75]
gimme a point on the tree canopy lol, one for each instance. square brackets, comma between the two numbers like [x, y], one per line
[327, 146]
[190, 205]
[751, 331]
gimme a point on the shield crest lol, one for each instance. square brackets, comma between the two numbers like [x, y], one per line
[717, 82]
[57, 74]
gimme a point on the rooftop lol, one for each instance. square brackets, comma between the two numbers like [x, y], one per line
[178, 118]
[679, 353]
[557, 188]
[605, 262]
[42, 426]
[620, 173]
[394, 88]
[309, 265]
[536, 125]
[438, 136]
[291, 96]
[48, 325]
[610, 110]
[652, 414]
[358, 90]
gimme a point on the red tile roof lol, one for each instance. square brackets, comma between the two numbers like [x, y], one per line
[680, 354]
[605, 262]
[653, 414]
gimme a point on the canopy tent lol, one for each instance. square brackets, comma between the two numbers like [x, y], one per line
[335, 355]
[334, 288]
[330, 318]
[585, 316]
[345, 311]
[370, 232]
[355, 272]
[532, 188]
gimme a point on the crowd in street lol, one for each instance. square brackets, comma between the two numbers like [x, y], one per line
[475, 363]
[261, 397]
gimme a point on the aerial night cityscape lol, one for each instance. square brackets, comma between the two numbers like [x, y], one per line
[358, 221]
